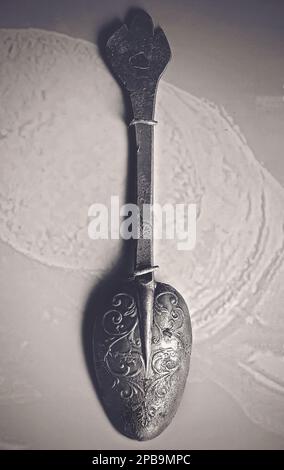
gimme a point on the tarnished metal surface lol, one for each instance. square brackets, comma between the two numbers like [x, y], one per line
[139, 406]
[142, 340]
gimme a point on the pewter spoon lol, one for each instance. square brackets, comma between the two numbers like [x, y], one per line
[142, 340]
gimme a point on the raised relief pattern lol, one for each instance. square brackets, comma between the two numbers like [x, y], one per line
[122, 356]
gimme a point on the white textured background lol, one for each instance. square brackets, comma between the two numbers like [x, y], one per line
[63, 146]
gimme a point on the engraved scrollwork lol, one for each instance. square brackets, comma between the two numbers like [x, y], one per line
[123, 357]
[168, 317]
[164, 364]
[117, 320]
[144, 396]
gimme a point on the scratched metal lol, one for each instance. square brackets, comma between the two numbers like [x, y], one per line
[142, 338]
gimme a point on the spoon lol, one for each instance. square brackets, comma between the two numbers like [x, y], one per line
[142, 340]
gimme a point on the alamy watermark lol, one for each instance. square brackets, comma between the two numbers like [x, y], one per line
[170, 221]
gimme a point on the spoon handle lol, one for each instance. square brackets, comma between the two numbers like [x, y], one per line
[138, 56]
[143, 104]
[142, 336]
[143, 112]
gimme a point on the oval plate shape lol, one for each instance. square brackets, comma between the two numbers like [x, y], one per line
[141, 407]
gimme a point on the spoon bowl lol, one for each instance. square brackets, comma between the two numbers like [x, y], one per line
[142, 339]
[141, 406]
